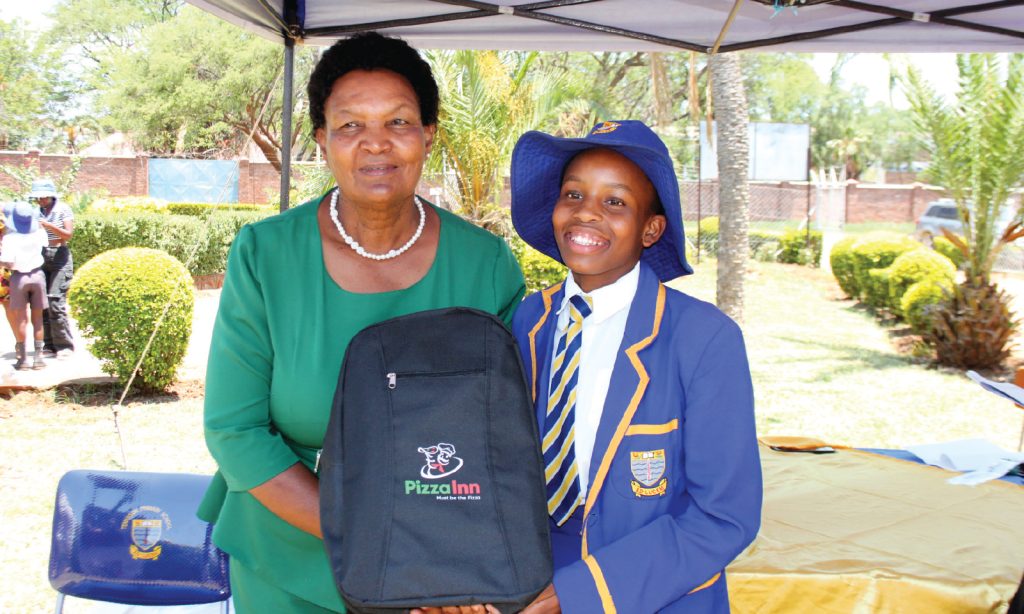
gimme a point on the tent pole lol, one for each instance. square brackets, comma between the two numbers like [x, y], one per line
[286, 120]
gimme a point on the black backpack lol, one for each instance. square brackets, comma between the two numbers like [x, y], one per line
[431, 476]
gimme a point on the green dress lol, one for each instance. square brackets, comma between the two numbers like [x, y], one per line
[278, 342]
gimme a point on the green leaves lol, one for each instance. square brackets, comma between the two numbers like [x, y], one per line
[135, 304]
[975, 146]
[488, 99]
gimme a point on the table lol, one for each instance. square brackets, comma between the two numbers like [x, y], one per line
[856, 532]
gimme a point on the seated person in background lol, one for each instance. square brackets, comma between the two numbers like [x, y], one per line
[643, 393]
[21, 250]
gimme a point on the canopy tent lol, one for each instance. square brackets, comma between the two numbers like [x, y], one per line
[633, 25]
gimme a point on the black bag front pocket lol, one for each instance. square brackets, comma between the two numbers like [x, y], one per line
[432, 489]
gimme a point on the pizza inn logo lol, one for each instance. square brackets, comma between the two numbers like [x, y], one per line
[441, 462]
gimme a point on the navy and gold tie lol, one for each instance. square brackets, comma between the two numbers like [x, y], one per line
[560, 470]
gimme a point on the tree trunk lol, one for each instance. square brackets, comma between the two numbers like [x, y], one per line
[731, 118]
[661, 95]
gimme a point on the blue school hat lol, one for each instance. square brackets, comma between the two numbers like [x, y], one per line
[24, 218]
[539, 160]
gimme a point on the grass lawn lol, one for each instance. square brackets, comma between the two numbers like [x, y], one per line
[822, 367]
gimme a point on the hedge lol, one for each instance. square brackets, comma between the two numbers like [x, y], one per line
[539, 270]
[916, 266]
[876, 251]
[919, 298]
[202, 209]
[148, 204]
[174, 234]
[801, 247]
[945, 247]
[119, 297]
[841, 261]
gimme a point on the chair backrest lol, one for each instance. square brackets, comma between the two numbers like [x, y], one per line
[134, 538]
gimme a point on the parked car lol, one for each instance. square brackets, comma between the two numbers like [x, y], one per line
[942, 213]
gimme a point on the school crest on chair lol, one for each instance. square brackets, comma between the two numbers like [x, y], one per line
[648, 468]
[146, 525]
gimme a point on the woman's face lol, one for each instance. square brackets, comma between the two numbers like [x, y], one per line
[373, 138]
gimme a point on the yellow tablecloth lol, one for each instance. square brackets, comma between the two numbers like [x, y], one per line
[855, 532]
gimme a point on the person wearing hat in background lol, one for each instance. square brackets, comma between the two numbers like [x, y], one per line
[21, 250]
[5, 273]
[59, 222]
[643, 393]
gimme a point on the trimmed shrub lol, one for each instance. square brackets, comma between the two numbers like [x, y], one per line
[764, 245]
[945, 247]
[877, 251]
[128, 204]
[539, 270]
[841, 261]
[203, 209]
[709, 236]
[766, 251]
[875, 293]
[118, 298]
[916, 266]
[174, 234]
[917, 300]
[801, 247]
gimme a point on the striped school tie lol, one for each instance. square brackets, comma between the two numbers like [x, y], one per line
[560, 471]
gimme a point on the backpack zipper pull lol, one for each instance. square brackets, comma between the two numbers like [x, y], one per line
[392, 381]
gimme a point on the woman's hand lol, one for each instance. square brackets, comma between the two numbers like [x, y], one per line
[545, 603]
[294, 496]
[458, 609]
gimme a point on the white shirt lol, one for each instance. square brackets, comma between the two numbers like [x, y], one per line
[602, 336]
[24, 250]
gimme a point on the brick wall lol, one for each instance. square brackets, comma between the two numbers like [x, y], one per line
[887, 203]
[258, 182]
[781, 201]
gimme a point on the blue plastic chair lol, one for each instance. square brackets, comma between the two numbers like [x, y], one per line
[134, 538]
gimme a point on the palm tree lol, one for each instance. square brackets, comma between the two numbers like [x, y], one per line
[974, 144]
[731, 118]
[489, 98]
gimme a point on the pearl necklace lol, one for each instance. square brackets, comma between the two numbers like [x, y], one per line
[359, 248]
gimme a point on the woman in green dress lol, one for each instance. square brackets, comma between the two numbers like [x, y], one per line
[300, 285]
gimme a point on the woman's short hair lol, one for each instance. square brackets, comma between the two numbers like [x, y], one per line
[371, 51]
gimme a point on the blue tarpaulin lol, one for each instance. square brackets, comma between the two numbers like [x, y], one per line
[194, 181]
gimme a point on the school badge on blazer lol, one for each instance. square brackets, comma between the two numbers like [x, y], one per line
[648, 468]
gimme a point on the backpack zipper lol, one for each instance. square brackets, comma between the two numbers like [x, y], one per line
[392, 377]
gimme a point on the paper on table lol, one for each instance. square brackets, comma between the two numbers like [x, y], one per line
[979, 460]
[1010, 392]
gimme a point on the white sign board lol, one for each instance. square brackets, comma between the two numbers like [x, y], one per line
[778, 152]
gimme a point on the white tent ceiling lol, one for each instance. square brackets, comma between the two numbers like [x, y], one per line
[632, 25]
[565, 25]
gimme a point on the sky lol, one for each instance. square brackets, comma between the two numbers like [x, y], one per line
[867, 69]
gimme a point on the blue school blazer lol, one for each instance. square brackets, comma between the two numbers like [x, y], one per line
[675, 479]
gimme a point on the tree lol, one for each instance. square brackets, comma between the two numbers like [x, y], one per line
[733, 193]
[24, 86]
[198, 86]
[488, 99]
[92, 29]
[975, 155]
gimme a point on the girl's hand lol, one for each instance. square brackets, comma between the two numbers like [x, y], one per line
[545, 603]
[458, 609]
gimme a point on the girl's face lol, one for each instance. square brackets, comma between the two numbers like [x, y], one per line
[603, 218]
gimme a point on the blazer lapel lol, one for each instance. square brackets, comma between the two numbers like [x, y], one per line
[541, 336]
[629, 379]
